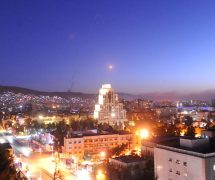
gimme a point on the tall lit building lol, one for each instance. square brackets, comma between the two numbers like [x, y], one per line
[109, 109]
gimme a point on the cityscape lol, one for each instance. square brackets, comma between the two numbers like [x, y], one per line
[107, 90]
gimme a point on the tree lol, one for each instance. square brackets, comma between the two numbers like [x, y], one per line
[7, 170]
[188, 120]
[119, 149]
[191, 132]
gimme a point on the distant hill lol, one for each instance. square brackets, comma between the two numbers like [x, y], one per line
[206, 95]
[44, 93]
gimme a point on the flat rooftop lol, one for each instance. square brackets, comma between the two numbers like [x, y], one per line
[211, 129]
[83, 134]
[130, 159]
[174, 145]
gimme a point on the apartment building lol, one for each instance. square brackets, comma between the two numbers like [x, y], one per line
[78, 145]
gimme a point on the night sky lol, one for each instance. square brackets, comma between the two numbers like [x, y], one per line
[153, 45]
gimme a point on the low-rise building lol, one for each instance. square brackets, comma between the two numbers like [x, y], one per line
[95, 143]
[185, 159]
[148, 145]
[209, 133]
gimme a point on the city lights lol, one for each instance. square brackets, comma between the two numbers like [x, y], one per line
[102, 154]
[100, 175]
[83, 175]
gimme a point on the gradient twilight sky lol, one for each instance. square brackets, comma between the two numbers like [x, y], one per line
[154, 45]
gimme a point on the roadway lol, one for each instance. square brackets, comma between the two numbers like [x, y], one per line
[39, 164]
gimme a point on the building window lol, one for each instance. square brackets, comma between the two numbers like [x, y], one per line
[214, 167]
[170, 170]
[170, 159]
[178, 172]
[185, 163]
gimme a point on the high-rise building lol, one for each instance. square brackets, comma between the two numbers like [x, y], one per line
[109, 109]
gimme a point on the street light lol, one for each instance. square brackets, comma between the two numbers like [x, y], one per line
[144, 134]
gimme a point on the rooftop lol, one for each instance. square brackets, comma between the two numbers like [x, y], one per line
[130, 159]
[201, 151]
[91, 133]
[210, 129]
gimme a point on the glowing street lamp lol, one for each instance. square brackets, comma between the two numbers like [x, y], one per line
[144, 134]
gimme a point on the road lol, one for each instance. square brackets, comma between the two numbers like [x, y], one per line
[39, 164]
[43, 162]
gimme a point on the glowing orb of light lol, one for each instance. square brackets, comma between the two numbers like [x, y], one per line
[110, 66]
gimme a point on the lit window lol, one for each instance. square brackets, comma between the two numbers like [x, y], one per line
[214, 167]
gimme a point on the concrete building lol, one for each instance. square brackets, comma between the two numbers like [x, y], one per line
[185, 159]
[94, 143]
[109, 110]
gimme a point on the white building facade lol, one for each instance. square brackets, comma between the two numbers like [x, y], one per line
[108, 109]
[94, 144]
[178, 164]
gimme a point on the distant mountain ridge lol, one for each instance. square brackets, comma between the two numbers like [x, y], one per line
[22, 90]
[206, 95]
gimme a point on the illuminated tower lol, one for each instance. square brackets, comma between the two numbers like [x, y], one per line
[109, 109]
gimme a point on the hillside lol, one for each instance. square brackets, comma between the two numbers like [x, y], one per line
[43, 93]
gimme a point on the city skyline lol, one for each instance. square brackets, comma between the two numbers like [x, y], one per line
[151, 46]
